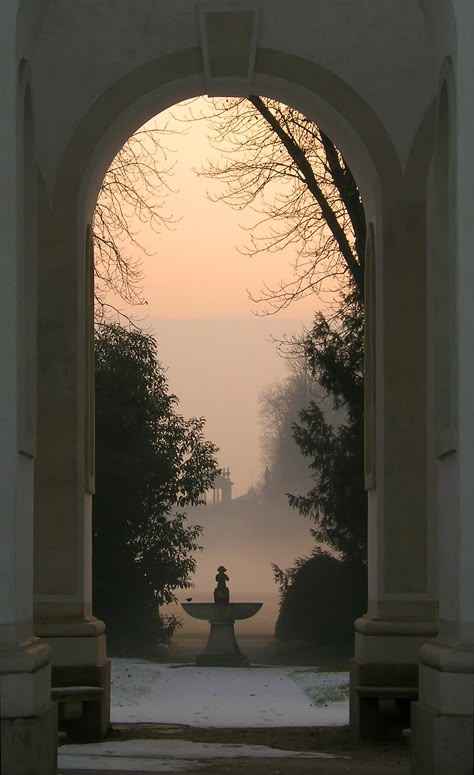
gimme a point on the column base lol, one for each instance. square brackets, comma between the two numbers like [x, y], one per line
[442, 719]
[441, 744]
[384, 674]
[25, 679]
[29, 745]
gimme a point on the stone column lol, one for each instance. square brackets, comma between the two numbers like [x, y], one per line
[401, 613]
[28, 720]
[443, 718]
[64, 476]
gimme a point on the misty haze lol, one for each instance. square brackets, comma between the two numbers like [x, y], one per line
[229, 325]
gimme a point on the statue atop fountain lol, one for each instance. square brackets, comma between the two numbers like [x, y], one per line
[221, 592]
[222, 649]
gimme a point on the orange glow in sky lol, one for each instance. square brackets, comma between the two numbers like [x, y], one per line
[218, 354]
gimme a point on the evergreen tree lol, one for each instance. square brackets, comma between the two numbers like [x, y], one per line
[150, 464]
[337, 502]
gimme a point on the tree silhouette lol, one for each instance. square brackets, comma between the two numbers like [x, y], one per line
[134, 190]
[151, 463]
[279, 163]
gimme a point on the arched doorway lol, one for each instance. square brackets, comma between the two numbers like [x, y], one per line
[400, 603]
[113, 88]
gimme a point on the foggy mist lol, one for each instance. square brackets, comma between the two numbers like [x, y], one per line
[246, 537]
[219, 356]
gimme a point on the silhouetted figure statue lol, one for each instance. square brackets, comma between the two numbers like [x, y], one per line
[221, 592]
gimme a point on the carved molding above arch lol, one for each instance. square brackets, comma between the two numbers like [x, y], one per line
[228, 45]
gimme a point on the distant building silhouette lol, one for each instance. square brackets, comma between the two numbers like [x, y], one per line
[222, 489]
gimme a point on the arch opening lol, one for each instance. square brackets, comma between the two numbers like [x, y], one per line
[223, 461]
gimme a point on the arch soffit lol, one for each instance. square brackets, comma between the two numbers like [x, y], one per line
[445, 132]
[153, 87]
[24, 79]
[25, 112]
[447, 86]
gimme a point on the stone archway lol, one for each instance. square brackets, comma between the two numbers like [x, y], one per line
[400, 609]
[372, 117]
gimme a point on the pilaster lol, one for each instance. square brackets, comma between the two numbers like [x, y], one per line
[64, 476]
[402, 607]
[443, 718]
[27, 716]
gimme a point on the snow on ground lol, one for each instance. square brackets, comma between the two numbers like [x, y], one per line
[323, 689]
[147, 692]
[163, 755]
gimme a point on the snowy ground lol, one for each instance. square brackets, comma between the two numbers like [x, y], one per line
[185, 695]
[227, 697]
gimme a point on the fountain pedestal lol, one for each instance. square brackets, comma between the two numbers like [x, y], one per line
[222, 649]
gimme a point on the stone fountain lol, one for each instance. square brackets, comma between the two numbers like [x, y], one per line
[222, 649]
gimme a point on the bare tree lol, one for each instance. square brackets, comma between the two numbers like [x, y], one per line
[133, 192]
[279, 406]
[283, 166]
[279, 163]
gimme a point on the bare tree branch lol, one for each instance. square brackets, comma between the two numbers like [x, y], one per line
[134, 191]
[279, 163]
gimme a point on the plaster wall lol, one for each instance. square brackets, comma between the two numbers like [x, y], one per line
[15, 474]
[82, 50]
[29, 18]
[464, 203]
[440, 21]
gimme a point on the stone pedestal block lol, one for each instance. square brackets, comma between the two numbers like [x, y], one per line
[93, 722]
[442, 744]
[384, 674]
[443, 718]
[29, 745]
[79, 658]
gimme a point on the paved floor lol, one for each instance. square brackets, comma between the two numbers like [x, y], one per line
[303, 748]
[272, 767]
[238, 766]
[221, 721]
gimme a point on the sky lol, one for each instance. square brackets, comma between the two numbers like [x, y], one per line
[214, 342]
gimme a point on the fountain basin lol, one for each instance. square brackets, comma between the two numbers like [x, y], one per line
[212, 612]
[222, 649]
